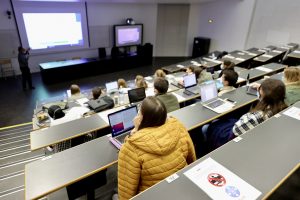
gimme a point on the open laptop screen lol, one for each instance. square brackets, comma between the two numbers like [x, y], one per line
[122, 120]
[189, 80]
[136, 95]
[111, 86]
[208, 91]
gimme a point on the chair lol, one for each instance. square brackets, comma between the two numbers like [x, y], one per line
[6, 68]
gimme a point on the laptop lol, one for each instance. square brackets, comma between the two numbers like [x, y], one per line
[121, 124]
[210, 100]
[136, 95]
[111, 87]
[190, 84]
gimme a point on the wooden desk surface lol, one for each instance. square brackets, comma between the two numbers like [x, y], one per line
[62, 169]
[55, 134]
[264, 153]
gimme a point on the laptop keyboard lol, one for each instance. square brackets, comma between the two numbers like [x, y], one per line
[215, 104]
[189, 93]
[121, 138]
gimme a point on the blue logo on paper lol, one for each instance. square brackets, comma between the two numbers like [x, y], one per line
[232, 191]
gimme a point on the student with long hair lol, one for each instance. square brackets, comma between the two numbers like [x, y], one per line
[159, 73]
[291, 80]
[271, 101]
[140, 82]
[226, 65]
[158, 147]
[202, 75]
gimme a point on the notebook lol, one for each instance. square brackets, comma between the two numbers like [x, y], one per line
[190, 84]
[121, 124]
[136, 95]
[111, 87]
[210, 100]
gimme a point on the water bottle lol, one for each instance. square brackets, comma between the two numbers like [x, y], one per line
[121, 97]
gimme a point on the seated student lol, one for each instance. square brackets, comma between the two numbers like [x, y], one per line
[161, 86]
[75, 92]
[140, 82]
[227, 64]
[96, 92]
[159, 73]
[229, 79]
[158, 147]
[272, 94]
[122, 83]
[292, 84]
[190, 70]
[202, 75]
[271, 101]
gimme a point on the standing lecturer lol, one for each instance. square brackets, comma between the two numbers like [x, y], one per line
[23, 57]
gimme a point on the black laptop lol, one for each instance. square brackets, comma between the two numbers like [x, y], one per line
[136, 95]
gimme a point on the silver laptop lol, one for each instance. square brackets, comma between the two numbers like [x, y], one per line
[210, 100]
[121, 124]
[111, 87]
[190, 84]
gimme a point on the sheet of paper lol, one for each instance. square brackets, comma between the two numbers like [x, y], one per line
[267, 56]
[148, 78]
[82, 101]
[276, 51]
[220, 183]
[69, 93]
[169, 76]
[240, 79]
[293, 112]
[240, 59]
[72, 114]
[179, 97]
[264, 69]
[297, 51]
[104, 114]
[180, 66]
[230, 57]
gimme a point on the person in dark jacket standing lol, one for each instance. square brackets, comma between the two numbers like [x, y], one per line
[23, 57]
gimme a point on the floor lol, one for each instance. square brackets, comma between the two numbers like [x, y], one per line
[17, 105]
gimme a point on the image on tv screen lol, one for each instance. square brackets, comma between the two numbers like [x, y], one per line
[128, 35]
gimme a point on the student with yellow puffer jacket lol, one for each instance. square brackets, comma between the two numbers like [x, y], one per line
[158, 147]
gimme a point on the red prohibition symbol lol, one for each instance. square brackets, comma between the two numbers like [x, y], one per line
[216, 179]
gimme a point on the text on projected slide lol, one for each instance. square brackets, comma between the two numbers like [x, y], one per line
[49, 30]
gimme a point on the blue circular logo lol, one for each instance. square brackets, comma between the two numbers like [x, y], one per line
[232, 191]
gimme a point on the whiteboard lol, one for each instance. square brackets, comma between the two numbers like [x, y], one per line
[9, 41]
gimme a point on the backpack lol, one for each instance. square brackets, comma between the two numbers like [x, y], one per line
[55, 112]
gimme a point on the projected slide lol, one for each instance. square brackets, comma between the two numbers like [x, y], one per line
[128, 35]
[50, 30]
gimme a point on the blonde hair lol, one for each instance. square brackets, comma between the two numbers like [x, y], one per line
[122, 83]
[292, 74]
[160, 73]
[140, 82]
[75, 89]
